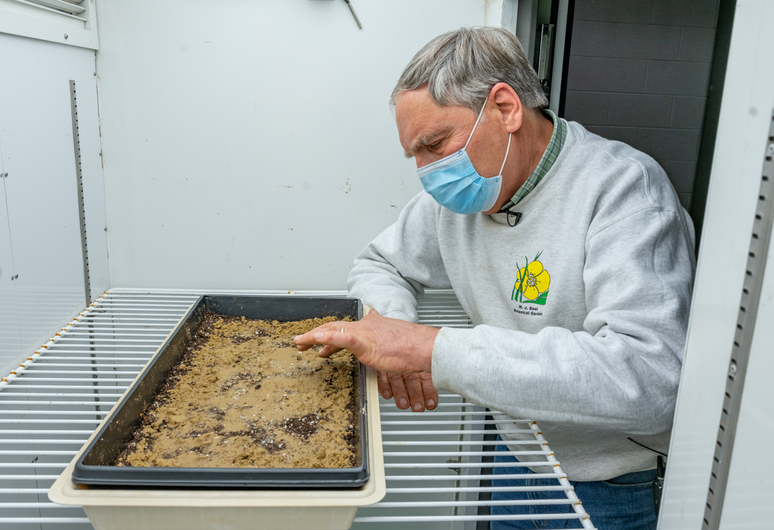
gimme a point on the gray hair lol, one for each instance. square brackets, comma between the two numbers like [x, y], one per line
[461, 67]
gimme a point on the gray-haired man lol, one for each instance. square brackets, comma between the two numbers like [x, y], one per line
[570, 253]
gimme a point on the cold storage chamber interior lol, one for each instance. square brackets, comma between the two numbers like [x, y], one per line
[208, 163]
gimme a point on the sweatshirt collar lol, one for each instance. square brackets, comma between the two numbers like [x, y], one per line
[550, 155]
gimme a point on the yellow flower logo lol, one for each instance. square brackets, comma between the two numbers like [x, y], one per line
[532, 283]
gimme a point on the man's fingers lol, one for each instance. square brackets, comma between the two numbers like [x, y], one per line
[429, 391]
[299, 346]
[332, 339]
[399, 391]
[414, 387]
[383, 383]
[327, 351]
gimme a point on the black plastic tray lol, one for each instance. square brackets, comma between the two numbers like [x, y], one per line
[94, 467]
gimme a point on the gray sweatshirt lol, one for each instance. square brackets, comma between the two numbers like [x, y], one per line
[580, 310]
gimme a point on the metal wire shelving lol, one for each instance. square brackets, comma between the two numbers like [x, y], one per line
[437, 463]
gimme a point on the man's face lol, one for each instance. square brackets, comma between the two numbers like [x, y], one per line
[428, 132]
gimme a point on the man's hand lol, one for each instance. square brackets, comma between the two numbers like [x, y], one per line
[414, 388]
[387, 344]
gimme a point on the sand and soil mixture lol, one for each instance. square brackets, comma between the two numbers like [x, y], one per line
[244, 396]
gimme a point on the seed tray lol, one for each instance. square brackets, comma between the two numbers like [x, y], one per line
[94, 467]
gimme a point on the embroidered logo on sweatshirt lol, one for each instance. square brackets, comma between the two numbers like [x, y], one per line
[532, 282]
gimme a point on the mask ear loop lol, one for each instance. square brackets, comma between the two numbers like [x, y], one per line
[481, 113]
[507, 150]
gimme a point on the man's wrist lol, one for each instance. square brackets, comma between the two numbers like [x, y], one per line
[425, 346]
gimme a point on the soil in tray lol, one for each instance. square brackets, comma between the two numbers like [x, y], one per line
[243, 396]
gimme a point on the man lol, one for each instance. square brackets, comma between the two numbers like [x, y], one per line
[570, 253]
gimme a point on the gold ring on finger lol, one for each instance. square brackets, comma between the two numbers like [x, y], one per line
[342, 330]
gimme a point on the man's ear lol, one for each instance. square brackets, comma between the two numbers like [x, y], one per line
[508, 105]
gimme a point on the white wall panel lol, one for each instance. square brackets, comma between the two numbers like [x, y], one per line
[750, 482]
[250, 144]
[745, 114]
[10, 331]
[41, 187]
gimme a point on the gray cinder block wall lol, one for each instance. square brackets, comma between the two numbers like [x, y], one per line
[639, 72]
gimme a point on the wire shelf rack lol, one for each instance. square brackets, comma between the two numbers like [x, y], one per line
[438, 463]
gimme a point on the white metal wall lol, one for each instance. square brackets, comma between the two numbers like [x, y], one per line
[750, 482]
[41, 267]
[748, 98]
[250, 144]
[10, 332]
[275, 172]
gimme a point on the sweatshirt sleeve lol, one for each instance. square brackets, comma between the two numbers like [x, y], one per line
[621, 372]
[392, 270]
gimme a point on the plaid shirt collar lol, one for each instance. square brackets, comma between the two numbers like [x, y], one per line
[555, 145]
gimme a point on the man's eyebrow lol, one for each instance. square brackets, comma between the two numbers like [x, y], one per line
[423, 141]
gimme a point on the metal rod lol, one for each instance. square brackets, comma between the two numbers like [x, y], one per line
[128, 314]
[81, 379]
[585, 520]
[472, 442]
[106, 302]
[442, 518]
[52, 362]
[44, 371]
[49, 421]
[122, 311]
[352, 9]
[53, 358]
[98, 326]
[488, 489]
[64, 344]
[92, 334]
[68, 387]
[49, 520]
[45, 394]
[35, 504]
[112, 317]
[27, 477]
[59, 354]
[34, 465]
[458, 422]
[455, 477]
[55, 412]
[462, 465]
[390, 405]
[84, 433]
[42, 442]
[425, 454]
[412, 414]
[448, 432]
[70, 338]
[420, 504]
[57, 403]
[41, 453]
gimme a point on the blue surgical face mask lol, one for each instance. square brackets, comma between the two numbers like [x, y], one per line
[454, 183]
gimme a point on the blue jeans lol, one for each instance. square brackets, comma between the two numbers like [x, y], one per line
[621, 503]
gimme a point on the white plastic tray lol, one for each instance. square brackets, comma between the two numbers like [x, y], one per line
[137, 509]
